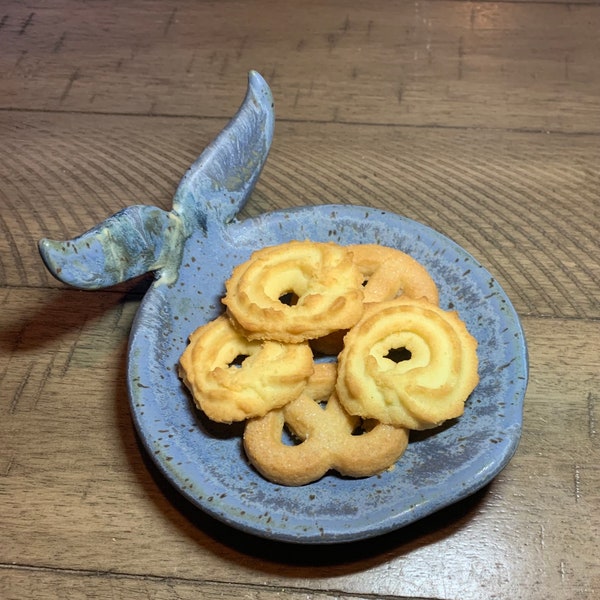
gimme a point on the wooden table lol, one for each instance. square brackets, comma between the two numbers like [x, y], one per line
[479, 119]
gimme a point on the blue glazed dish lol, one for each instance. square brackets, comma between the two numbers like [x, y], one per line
[193, 249]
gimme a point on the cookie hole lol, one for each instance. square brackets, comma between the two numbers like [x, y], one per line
[364, 426]
[289, 298]
[238, 360]
[399, 355]
[289, 438]
[358, 430]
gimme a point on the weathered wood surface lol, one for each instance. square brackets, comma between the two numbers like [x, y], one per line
[509, 65]
[524, 205]
[478, 119]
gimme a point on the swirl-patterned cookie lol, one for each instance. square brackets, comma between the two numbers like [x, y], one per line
[232, 378]
[407, 363]
[324, 285]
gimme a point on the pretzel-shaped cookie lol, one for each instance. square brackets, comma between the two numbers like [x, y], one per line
[232, 378]
[389, 273]
[327, 440]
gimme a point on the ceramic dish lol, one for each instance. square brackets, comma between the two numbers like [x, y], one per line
[193, 249]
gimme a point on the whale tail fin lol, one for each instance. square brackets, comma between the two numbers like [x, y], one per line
[141, 239]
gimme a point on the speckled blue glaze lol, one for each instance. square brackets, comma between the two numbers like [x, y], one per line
[205, 461]
[140, 239]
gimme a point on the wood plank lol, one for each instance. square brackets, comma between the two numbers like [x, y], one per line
[17, 583]
[100, 506]
[523, 204]
[514, 65]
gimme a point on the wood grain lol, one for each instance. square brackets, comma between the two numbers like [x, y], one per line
[88, 510]
[479, 119]
[19, 583]
[509, 65]
[502, 195]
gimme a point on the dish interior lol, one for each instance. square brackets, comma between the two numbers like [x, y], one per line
[205, 461]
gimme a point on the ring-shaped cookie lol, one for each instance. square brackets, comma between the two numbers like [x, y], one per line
[407, 363]
[325, 283]
[327, 437]
[233, 379]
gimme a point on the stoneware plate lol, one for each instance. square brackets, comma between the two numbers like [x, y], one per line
[192, 250]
